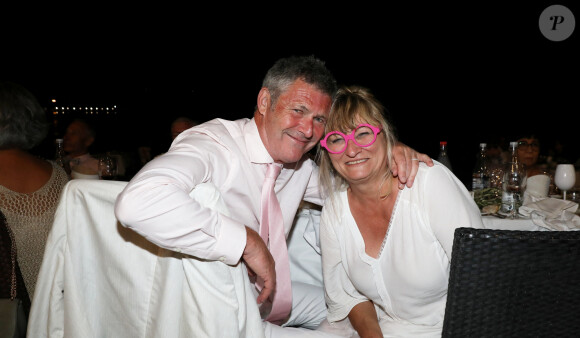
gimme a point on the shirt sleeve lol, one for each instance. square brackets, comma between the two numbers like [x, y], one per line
[340, 294]
[448, 205]
[157, 204]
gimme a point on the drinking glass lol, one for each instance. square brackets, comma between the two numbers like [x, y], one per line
[565, 178]
[574, 195]
[538, 186]
[513, 187]
[107, 167]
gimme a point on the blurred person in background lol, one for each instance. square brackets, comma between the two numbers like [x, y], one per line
[529, 154]
[496, 153]
[178, 126]
[78, 138]
[30, 186]
[181, 124]
[558, 153]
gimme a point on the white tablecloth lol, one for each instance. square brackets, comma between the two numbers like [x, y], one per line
[492, 222]
[544, 214]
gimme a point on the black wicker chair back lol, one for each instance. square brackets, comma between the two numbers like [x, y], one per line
[513, 284]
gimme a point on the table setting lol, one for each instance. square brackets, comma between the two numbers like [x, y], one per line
[538, 210]
[552, 213]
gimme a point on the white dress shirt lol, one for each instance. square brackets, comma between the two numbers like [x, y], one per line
[84, 166]
[408, 281]
[231, 156]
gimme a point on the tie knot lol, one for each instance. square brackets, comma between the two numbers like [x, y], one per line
[273, 170]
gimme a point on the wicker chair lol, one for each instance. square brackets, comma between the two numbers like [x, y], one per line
[513, 284]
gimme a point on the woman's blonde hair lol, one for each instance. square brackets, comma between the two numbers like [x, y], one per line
[352, 105]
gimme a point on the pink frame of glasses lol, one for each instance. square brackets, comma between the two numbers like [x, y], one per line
[376, 131]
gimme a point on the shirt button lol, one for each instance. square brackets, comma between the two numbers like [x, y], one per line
[222, 259]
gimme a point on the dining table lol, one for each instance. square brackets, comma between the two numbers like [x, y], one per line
[493, 221]
[537, 214]
[499, 221]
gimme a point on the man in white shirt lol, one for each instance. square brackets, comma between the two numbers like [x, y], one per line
[292, 107]
[77, 140]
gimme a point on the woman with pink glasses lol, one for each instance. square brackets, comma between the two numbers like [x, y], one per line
[385, 252]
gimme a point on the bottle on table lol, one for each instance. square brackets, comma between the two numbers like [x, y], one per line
[59, 153]
[443, 157]
[513, 183]
[480, 173]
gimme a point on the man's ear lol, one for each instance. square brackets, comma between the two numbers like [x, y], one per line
[264, 100]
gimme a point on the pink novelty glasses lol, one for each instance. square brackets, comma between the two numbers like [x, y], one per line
[363, 136]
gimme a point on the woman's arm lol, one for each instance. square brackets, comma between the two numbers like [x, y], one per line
[363, 317]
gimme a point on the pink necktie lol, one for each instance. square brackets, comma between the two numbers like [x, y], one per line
[272, 228]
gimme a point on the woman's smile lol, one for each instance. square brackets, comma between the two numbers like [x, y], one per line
[357, 161]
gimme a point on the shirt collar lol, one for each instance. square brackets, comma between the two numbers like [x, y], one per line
[257, 151]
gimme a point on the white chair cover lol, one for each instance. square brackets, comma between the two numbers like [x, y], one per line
[100, 279]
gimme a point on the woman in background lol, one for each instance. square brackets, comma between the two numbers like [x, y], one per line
[528, 149]
[30, 187]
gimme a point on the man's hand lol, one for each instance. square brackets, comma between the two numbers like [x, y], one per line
[260, 262]
[405, 164]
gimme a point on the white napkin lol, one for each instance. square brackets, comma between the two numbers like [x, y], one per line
[552, 213]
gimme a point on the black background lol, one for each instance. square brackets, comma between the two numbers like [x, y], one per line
[463, 73]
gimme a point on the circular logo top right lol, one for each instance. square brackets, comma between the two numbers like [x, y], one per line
[557, 23]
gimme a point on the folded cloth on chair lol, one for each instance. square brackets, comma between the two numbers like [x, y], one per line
[100, 279]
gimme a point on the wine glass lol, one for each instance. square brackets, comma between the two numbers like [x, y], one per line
[107, 167]
[565, 178]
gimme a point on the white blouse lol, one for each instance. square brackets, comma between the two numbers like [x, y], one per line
[408, 281]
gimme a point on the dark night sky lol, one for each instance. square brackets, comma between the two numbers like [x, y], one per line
[457, 72]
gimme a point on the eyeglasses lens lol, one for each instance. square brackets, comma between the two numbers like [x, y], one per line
[364, 136]
[526, 145]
